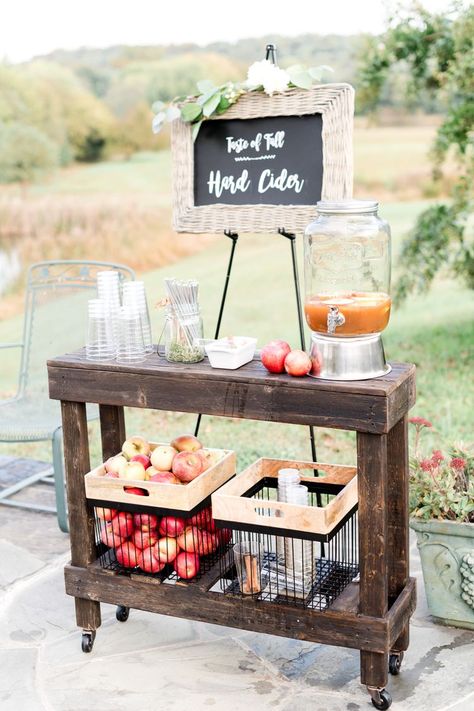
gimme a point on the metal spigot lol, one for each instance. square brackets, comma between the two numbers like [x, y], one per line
[335, 319]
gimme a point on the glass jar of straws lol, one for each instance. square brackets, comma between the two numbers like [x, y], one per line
[183, 325]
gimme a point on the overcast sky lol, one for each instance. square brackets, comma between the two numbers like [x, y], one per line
[31, 27]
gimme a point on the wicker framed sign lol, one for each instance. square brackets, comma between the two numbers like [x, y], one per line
[265, 163]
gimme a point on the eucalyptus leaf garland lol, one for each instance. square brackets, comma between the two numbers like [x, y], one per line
[213, 100]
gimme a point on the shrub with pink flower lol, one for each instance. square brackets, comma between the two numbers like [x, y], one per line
[441, 487]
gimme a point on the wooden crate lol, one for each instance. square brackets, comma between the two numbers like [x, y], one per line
[172, 496]
[233, 503]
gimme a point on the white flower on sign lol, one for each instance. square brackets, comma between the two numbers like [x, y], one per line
[268, 75]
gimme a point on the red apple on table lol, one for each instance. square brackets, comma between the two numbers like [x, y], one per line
[162, 457]
[273, 355]
[171, 526]
[105, 514]
[135, 445]
[142, 458]
[186, 443]
[148, 561]
[166, 549]
[127, 555]
[165, 478]
[108, 537]
[186, 565]
[187, 466]
[147, 522]
[122, 524]
[191, 540]
[115, 465]
[144, 539]
[298, 363]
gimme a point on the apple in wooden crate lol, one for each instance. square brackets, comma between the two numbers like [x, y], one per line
[186, 443]
[135, 445]
[187, 466]
[162, 457]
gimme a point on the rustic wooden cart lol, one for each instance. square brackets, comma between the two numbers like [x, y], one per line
[371, 615]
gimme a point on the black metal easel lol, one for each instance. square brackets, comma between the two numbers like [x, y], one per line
[270, 54]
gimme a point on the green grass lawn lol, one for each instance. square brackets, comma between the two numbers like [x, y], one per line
[435, 331]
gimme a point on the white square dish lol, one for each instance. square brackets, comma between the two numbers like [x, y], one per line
[232, 352]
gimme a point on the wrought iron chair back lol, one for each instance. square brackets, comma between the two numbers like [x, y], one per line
[54, 322]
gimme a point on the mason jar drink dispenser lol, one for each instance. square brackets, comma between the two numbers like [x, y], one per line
[347, 279]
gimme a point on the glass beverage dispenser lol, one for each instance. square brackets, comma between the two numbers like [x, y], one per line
[347, 278]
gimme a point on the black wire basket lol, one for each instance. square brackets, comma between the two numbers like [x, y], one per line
[161, 543]
[290, 567]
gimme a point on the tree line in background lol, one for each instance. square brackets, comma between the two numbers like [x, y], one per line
[89, 104]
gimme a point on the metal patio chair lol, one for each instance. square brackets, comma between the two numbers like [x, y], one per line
[54, 323]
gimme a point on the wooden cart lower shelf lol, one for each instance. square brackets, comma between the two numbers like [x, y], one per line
[340, 625]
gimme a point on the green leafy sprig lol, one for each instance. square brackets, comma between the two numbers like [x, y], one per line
[214, 99]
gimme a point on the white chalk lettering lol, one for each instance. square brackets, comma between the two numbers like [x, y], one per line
[217, 184]
[236, 144]
[275, 140]
[281, 182]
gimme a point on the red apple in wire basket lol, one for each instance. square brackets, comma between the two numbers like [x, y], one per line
[127, 555]
[147, 560]
[171, 526]
[166, 549]
[144, 539]
[186, 565]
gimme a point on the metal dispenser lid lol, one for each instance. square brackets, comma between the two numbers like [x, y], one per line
[346, 207]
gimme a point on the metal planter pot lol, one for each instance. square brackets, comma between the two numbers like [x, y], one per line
[447, 559]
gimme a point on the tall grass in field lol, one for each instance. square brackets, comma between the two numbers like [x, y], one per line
[116, 228]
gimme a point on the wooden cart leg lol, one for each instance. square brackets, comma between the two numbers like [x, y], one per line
[112, 428]
[398, 512]
[373, 492]
[81, 519]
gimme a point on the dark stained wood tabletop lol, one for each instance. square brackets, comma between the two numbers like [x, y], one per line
[250, 391]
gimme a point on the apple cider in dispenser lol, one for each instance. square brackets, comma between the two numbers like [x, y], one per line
[347, 277]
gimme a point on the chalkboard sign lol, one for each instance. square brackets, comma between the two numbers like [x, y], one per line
[265, 163]
[276, 160]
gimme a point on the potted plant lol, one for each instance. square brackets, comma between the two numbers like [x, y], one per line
[442, 511]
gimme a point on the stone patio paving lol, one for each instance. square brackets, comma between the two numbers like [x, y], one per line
[156, 662]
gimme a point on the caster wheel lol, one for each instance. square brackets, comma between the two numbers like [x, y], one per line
[122, 613]
[383, 700]
[87, 641]
[395, 663]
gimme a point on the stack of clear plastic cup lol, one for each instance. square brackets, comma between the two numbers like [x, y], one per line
[286, 479]
[130, 345]
[108, 289]
[100, 343]
[134, 295]
[299, 554]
